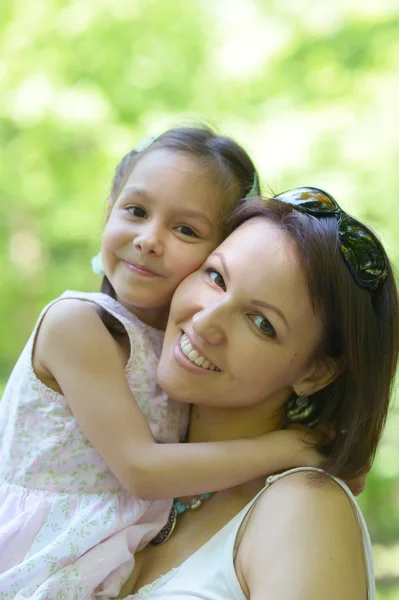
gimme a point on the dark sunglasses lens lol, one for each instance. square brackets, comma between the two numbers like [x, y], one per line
[362, 251]
[311, 200]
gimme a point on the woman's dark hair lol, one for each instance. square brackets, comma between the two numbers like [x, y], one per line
[360, 330]
[226, 160]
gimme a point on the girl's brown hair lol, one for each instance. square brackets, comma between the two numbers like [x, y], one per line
[360, 330]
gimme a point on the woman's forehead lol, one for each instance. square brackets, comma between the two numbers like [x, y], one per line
[258, 236]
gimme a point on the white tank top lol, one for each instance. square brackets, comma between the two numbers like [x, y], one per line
[209, 574]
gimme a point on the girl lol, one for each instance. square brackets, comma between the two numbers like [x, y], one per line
[84, 484]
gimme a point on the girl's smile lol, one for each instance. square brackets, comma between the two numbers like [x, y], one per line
[140, 269]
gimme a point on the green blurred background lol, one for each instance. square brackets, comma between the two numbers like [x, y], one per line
[311, 89]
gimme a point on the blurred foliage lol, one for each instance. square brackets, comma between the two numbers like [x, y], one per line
[311, 89]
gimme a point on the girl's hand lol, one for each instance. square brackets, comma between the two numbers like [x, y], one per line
[294, 447]
[358, 483]
[307, 439]
[303, 442]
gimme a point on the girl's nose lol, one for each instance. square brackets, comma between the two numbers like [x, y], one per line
[149, 241]
[207, 324]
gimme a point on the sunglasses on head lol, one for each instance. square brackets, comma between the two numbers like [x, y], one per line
[360, 248]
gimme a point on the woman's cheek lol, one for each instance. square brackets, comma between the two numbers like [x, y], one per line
[185, 297]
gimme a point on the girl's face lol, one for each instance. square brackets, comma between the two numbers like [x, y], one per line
[161, 228]
[242, 330]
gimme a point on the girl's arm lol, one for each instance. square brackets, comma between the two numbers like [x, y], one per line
[302, 542]
[81, 355]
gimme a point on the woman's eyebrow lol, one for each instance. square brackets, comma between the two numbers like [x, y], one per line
[271, 307]
[223, 261]
[253, 301]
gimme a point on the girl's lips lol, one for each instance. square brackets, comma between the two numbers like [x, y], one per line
[186, 363]
[135, 268]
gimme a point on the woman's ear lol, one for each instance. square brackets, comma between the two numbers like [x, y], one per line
[322, 372]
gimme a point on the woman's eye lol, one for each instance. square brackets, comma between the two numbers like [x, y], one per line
[137, 211]
[185, 230]
[216, 278]
[263, 325]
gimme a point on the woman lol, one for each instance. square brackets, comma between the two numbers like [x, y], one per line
[298, 312]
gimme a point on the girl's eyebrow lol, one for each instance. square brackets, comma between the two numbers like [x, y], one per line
[134, 189]
[188, 212]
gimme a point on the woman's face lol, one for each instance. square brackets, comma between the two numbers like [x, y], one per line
[242, 330]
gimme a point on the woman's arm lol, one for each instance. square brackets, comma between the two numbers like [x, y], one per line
[78, 351]
[303, 542]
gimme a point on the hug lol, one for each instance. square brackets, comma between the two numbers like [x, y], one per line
[261, 333]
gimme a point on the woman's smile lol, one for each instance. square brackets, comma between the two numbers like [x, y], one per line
[191, 358]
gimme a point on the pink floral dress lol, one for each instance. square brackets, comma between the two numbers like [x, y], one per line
[68, 530]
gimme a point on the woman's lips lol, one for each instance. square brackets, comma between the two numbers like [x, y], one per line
[184, 362]
[140, 270]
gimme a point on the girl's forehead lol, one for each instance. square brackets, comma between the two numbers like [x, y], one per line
[184, 172]
[166, 159]
[174, 182]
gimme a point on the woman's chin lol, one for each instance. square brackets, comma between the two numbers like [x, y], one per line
[174, 385]
[182, 379]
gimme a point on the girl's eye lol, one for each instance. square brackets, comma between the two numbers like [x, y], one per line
[216, 277]
[137, 211]
[263, 325]
[185, 230]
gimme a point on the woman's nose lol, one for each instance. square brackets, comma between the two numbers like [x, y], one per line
[207, 324]
[149, 241]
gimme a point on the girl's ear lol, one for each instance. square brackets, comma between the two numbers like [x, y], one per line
[322, 372]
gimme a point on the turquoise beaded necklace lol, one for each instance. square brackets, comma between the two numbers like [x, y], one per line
[178, 509]
[194, 503]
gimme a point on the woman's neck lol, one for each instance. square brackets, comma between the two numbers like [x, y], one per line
[209, 424]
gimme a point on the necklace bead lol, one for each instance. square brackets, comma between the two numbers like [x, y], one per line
[178, 508]
[195, 503]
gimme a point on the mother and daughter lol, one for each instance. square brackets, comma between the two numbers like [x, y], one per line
[292, 318]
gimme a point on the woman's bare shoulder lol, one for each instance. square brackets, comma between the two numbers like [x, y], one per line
[303, 540]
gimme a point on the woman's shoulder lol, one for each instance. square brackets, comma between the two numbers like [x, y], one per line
[302, 501]
[303, 485]
[305, 525]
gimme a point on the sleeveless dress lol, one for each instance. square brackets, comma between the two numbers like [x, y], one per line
[68, 530]
[209, 574]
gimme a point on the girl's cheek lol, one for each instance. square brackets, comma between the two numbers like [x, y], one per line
[186, 263]
[195, 265]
